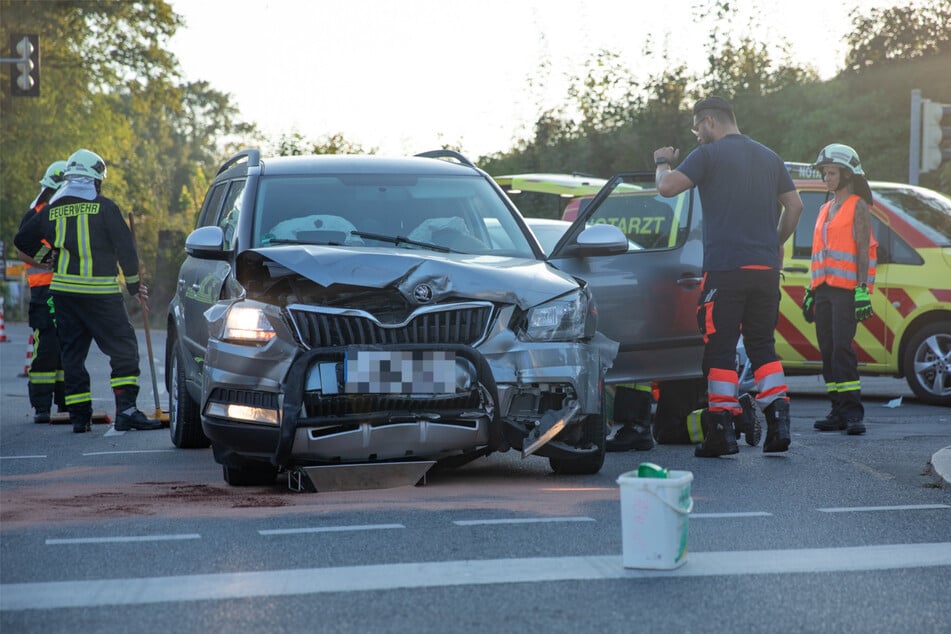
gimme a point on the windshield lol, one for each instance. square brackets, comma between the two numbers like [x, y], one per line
[927, 210]
[461, 214]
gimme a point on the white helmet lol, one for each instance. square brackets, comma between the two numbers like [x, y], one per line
[841, 155]
[54, 175]
[86, 163]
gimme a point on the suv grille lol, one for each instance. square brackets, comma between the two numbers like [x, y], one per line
[321, 326]
[342, 405]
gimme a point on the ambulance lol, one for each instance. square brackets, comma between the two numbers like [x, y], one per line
[647, 296]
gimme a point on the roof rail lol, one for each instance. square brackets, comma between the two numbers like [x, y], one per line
[803, 170]
[253, 155]
[447, 154]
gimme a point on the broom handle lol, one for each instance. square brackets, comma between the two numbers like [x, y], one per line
[145, 312]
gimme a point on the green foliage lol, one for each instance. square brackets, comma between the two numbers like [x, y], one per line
[295, 144]
[777, 102]
[898, 34]
[108, 84]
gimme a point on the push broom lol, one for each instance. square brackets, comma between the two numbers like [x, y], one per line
[159, 415]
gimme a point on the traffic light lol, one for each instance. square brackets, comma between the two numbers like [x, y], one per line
[25, 76]
[934, 135]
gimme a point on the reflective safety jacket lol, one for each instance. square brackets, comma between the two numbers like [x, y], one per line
[834, 250]
[91, 237]
[36, 276]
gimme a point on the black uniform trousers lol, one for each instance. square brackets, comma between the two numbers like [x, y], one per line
[80, 319]
[835, 331]
[46, 368]
[744, 301]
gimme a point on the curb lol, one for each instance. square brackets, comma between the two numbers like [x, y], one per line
[941, 463]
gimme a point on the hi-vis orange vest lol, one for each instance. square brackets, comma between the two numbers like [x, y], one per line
[37, 276]
[834, 251]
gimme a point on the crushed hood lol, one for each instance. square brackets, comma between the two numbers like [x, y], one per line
[518, 281]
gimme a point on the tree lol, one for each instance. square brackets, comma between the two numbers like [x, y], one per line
[110, 85]
[899, 33]
[740, 66]
[294, 144]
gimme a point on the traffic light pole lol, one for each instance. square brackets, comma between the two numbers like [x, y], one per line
[914, 138]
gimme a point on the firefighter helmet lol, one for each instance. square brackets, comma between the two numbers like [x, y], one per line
[86, 163]
[54, 175]
[841, 155]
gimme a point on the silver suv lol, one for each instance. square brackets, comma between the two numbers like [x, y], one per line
[342, 310]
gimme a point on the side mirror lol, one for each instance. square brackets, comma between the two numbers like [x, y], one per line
[206, 242]
[598, 240]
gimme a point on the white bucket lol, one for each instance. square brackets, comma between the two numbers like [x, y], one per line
[654, 514]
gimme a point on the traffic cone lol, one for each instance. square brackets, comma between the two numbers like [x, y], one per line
[29, 356]
[3, 327]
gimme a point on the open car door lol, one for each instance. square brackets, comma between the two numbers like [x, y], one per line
[647, 297]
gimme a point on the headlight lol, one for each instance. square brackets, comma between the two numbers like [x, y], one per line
[245, 324]
[562, 319]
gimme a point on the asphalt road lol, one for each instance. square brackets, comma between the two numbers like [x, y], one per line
[119, 532]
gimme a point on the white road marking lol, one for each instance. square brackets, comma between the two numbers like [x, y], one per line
[21, 457]
[865, 509]
[93, 593]
[110, 453]
[721, 515]
[327, 529]
[523, 520]
[120, 539]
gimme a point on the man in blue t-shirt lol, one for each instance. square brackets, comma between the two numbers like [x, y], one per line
[750, 208]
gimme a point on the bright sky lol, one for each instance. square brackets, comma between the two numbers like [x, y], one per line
[406, 76]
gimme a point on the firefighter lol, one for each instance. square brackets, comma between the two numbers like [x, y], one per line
[46, 369]
[844, 255]
[742, 184]
[632, 409]
[90, 236]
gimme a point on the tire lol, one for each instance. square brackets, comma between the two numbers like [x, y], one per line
[249, 475]
[926, 364]
[595, 431]
[184, 418]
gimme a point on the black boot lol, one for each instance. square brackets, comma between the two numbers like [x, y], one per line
[135, 420]
[41, 398]
[831, 422]
[777, 427]
[719, 438]
[631, 436]
[747, 423]
[632, 408]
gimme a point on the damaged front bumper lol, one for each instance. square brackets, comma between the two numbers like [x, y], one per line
[530, 396]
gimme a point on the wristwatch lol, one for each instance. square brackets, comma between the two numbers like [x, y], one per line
[661, 161]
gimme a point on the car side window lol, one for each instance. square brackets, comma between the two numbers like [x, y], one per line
[891, 248]
[649, 220]
[212, 205]
[231, 212]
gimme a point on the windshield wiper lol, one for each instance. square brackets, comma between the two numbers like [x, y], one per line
[398, 240]
[329, 243]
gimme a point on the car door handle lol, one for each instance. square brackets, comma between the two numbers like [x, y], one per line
[691, 281]
[795, 269]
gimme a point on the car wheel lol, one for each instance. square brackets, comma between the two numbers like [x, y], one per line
[595, 432]
[249, 475]
[928, 363]
[184, 419]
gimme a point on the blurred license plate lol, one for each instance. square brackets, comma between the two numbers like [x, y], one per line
[400, 372]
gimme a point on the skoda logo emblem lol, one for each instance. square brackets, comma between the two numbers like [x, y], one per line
[423, 293]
